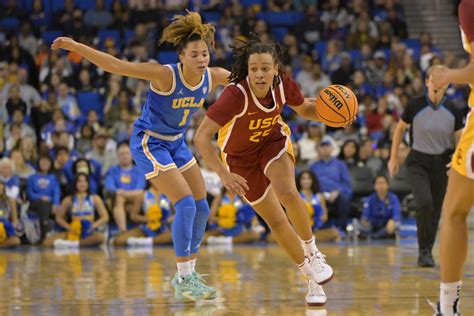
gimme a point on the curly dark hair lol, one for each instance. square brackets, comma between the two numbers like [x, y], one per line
[188, 28]
[253, 45]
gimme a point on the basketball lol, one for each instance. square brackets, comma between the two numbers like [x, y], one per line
[336, 105]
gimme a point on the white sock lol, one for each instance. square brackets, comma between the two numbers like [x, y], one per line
[184, 269]
[145, 241]
[305, 267]
[192, 263]
[449, 296]
[309, 247]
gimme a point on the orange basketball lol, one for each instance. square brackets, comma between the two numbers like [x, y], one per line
[336, 105]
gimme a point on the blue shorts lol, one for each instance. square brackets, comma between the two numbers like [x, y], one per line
[153, 155]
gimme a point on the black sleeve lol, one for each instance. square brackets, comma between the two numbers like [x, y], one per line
[458, 119]
[409, 113]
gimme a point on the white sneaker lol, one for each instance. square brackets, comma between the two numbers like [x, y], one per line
[140, 241]
[316, 295]
[323, 271]
[219, 240]
[63, 243]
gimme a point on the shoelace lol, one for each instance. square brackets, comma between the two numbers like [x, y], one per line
[199, 280]
[313, 287]
[319, 260]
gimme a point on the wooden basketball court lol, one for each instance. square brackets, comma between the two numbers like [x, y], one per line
[372, 278]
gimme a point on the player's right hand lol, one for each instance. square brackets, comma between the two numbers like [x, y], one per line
[393, 167]
[234, 183]
[63, 43]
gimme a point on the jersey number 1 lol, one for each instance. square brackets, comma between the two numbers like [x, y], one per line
[185, 117]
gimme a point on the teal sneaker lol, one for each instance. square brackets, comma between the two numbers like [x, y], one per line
[208, 292]
[189, 288]
[211, 291]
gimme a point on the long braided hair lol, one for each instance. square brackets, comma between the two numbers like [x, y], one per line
[188, 28]
[248, 47]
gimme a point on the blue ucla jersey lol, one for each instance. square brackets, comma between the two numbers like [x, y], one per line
[170, 113]
[84, 210]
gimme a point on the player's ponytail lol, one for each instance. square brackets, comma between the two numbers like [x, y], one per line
[250, 46]
[188, 28]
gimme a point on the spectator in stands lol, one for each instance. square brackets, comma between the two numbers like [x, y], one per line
[120, 129]
[381, 215]
[121, 15]
[11, 181]
[125, 184]
[43, 193]
[27, 40]
[279, 5]
[305, 74]
[361, 36]
[332, 60]
[68, 103]
[385, 38]
[101, 153]
[317, 82]
[22, 169]
[18, 118]
[85, 84]
[59, 168]
[63, 17]
[335, 11]
[111, 107]
[8, 219]
[78, 29]
[98, 17]
[349, 132]
[155, 222]
[38, 16]
[90, 168]
[81, 207]
[334, 32]
[145, 38]
[343, 74]
[84, 141]
[376, 68]
[308, 143]
[14, 136]
[367, 158]
[335, 183]
[399, 27]
[311, 29]
[349, 153]
[364, 17]
[15, 102]
[28, 150]
[308, 186]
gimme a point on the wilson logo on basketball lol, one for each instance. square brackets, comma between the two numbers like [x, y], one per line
[333, 99]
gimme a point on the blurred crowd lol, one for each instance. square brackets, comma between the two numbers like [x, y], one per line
[61, 116]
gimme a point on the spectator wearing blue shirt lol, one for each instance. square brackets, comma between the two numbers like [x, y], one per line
[335, 183]
[381, 212]
[125, 184]
[43, 192]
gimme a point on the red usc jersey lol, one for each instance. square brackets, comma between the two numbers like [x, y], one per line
[248, 123]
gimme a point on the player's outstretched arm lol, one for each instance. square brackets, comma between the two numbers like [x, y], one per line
[443, 76]
[220, 77]
[146, 71]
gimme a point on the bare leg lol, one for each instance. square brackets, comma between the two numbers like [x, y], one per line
[10, 242]
[163, 238]
[48, 242]
[94, 239]
[272, 212]
[119, 213]
[458, 200]
[281, 173]
[121, 239]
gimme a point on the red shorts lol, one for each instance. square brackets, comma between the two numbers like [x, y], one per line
[253, 168]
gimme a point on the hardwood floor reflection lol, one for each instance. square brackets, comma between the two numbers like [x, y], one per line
[370, 279]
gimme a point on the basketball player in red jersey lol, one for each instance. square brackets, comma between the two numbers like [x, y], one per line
[257, 157]
[459, 198]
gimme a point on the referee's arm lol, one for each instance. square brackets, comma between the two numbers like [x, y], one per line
[393, 165]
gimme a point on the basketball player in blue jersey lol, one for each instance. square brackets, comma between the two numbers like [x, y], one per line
[157, 144]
